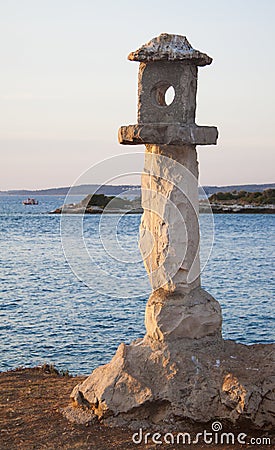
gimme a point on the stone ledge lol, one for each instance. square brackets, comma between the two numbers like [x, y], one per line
[167, 134]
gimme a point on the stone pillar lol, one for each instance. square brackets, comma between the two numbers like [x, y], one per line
[182, 368]
[169, 231]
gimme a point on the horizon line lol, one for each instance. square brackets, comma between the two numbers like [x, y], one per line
[116, 185]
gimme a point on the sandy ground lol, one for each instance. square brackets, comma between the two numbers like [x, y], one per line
[31, 403]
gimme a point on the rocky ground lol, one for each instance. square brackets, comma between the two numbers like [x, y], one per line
[31, 404]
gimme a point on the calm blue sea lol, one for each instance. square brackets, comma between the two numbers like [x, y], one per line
[47, 314]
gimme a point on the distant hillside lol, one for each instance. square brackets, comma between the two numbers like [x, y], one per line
[87, 189]
[209, 190]
[258, 198]
[84, 189]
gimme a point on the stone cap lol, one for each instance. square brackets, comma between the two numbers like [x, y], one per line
[169, 47]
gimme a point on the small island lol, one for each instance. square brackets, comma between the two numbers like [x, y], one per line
[243, 202]
[99, 203]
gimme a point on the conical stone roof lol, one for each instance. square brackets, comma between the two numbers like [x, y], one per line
[169, 47]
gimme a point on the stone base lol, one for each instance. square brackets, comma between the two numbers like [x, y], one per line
[193, 314]
[150, 383]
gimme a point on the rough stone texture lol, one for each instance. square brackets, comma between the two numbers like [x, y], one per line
[154, 80]
[149, 382]
[83, 416]
[193, 315]
[170, 47]
[169, 230]
[169, 243]
[167, 134]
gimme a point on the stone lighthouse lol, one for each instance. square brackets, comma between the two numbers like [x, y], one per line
[169, 232]
[182, 368]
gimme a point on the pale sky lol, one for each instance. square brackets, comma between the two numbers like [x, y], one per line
[67, 86]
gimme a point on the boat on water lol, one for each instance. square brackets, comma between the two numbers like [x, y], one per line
[30, 201]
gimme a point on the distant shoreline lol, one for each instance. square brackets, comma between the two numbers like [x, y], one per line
[120, 189]
[36, 195]
[214, 210]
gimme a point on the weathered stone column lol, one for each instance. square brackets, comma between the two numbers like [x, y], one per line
[182, 368]
[169, 232]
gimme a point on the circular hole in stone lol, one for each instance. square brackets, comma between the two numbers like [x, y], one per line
[163, 94]
[169, 95]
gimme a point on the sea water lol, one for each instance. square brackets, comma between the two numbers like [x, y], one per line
[53, 311]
